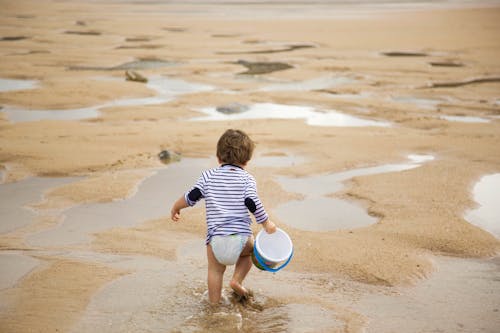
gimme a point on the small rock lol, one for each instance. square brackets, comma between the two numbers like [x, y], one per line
[166, 156]
[232, 108]
[136, 77]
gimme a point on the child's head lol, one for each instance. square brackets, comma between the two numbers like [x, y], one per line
[235, 147]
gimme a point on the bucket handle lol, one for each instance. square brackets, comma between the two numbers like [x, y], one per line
[270, 269]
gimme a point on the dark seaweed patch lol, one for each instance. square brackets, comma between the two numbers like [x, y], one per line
[262, 67]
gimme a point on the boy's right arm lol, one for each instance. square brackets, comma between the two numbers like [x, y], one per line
[175, 212]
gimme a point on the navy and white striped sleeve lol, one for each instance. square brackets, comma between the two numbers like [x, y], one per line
[196, 193]
[253, 203]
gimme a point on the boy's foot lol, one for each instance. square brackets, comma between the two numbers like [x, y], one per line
[238, 288]
[241, 293]
[243, 299]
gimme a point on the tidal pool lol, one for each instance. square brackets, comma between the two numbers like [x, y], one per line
[13, 266]
[153, 200]
[277, 160]
[15, 196]
[465, 119]
[318, 211]
[487, 194]
[312, 116]
[312, 84]
[166, 89]
[422, 103]
[13, 84]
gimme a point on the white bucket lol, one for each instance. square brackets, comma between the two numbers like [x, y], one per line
[272, 249]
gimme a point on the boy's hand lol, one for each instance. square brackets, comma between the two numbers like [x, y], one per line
[269, 227]
[175, 212]
[175, 215]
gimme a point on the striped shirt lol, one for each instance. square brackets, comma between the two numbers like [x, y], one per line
[228, 191]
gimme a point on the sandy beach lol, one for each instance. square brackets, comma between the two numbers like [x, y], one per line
[377, 129]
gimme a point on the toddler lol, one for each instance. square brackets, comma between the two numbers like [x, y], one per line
[230, 193]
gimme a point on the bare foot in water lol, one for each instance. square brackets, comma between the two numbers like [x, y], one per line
[240, 292]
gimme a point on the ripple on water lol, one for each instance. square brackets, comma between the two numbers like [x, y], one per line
[260, 314]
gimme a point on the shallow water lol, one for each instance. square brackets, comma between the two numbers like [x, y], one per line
[312, 84]
[165, 88]
[312, 116]
[170, 296]
[422, 103]
[277, 161]
[152, 200]
[13, 84]
[461, 295]
[487, 194]
[14, 197]
[13, 266]
[132, 65]
[332, 213]
[465, 119]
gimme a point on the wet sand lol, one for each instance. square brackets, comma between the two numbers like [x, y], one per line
[86, 242]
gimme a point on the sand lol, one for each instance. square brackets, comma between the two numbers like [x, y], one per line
[409, 66]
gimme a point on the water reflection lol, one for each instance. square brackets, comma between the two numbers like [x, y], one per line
[13, 84]
[332, 213]
[486, 194]
[166, 89]
[312, 116]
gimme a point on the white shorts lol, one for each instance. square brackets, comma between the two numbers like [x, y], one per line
[227, 249]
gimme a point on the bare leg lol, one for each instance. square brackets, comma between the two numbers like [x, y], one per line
[215, 277]
[243, 266]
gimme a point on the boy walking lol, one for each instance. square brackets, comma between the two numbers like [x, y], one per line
[230, 193]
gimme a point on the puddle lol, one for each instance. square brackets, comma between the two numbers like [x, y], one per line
[274, 48]
[459, 296]
[281, 111]
[13, 266]
[277, 161]
[163, 301]
[143, 300]
[341, 96]
[132, 65]
[332, 213]
[465, 119]
[313, 84]
[14, 196]
[422, 103]
[13, 84]
[486, 193]
[17, 115]
[149, 202]
[166, 89]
